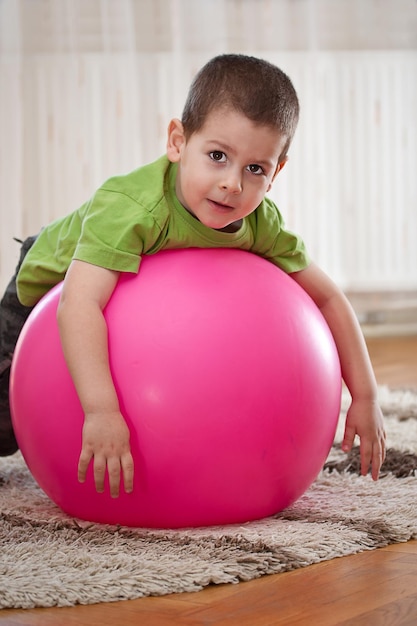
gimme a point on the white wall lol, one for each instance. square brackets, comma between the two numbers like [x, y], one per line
[87, 88]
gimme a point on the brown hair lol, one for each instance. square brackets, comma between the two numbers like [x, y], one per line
[252, 86]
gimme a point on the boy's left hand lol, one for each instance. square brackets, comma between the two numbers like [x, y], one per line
[365, 419]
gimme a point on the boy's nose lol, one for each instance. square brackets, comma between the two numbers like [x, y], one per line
[232, 183]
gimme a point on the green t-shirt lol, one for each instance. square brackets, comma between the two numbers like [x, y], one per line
[138, 214]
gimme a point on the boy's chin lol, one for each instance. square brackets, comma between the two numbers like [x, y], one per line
[232, 227]
[219, 225]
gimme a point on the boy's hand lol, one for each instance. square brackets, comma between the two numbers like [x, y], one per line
[106, 441]
[364, 419]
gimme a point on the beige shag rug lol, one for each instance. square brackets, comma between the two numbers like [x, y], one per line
[48, 559]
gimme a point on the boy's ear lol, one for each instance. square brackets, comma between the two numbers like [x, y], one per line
[176, 139]
[279, 168]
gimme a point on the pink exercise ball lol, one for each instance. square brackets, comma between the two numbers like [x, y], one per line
[229, 381]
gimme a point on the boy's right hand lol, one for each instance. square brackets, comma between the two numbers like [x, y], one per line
[105, 440]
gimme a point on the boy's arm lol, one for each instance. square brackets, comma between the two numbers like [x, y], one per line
[364, 417]
[83, 330]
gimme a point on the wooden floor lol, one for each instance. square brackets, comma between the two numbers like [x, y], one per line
[377, 588]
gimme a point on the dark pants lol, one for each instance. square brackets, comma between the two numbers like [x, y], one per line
[12, 317]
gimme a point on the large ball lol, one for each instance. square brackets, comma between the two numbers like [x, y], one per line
[229, 381]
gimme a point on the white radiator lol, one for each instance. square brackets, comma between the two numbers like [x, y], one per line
[349, 188]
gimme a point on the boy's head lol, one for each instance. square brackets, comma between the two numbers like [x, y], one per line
[237, 125]
[254, 87]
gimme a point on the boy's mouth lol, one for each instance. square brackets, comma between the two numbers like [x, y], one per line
[218, 206]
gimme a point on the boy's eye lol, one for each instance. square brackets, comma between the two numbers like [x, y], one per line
[217, 156]
[255, 169]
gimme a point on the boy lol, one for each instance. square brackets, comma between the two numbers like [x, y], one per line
[208, 191]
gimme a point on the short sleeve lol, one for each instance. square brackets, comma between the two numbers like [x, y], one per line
[116, 231]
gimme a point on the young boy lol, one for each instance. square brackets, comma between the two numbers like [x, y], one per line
[208, 191]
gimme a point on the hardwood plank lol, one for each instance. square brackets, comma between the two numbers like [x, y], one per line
[325, 594]
[398, 613]
[394, 360]
[409, 547]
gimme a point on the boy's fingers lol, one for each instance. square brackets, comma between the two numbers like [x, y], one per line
[376, 466]
[366, 457]
[113, 469]
[83, 463]
[99, 473]
[128, 469]
[372, 456]
[377, 460]
[348, 439]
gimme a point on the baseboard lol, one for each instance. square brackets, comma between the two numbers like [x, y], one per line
[385, 313]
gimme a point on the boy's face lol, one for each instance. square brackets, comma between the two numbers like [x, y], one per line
[226, 168]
